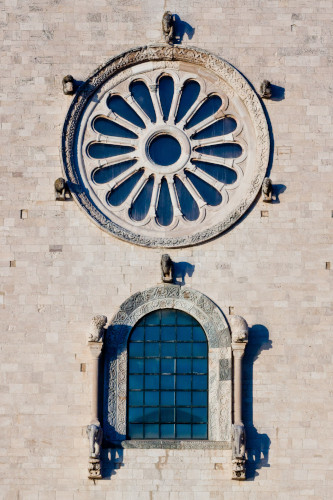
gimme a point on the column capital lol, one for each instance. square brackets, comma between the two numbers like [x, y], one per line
[95, 348]
[238, 349]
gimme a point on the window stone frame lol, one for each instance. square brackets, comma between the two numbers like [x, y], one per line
[120, 66]
[218, 335]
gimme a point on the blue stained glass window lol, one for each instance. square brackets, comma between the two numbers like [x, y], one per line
[167, 381]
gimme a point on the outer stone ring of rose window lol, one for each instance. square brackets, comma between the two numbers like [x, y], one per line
[165, 146]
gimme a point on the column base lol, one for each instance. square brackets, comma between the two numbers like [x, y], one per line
[94, 468]
[238, 469]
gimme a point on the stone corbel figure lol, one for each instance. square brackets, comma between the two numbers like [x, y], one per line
[60, 189]
[168, 27]
[95, 436]
[68, 85]
[166, 268]
[239, 329]
[238, 451]
[97, 328]
[267, 190]
[265, 89]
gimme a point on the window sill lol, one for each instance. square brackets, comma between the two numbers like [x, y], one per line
[173, 444]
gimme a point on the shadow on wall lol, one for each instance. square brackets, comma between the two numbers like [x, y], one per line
[180, 270]
[180, 29]
[112, 459]
[257, 445]
[278, 93]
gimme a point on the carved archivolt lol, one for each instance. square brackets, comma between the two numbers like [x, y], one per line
[216, 328]
[165, 187]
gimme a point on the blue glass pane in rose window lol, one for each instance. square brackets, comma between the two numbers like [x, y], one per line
[209, 107]
[189, 95]
[106, 126]
[107, 173]
[120, 193]
[141, 204]
[166, 89]
[119, 106]
[141, 94]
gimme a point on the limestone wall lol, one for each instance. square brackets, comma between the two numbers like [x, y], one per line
[58, 269]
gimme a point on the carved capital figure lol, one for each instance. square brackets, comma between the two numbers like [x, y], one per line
[97, 328]
[266, 89]
[60, 189]
[68, 85]
[267, 190]
[238, 451]
[239, 329]
[168, 27]
[166, 268]
[95, 436]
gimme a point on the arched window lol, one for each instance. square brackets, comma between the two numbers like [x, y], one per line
[167, 378]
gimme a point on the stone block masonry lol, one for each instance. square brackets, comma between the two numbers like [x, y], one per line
[271, 269]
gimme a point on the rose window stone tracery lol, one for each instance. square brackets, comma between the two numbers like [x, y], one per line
[165, 153]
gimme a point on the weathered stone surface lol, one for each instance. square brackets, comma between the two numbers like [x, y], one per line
[270, 270]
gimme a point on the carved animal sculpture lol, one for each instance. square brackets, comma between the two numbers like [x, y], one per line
[95, 436]
[166, 268]
[238, 441]
[239, 329]
[267, 190]
[97, 328]
[168, 26]
[60, 189]
[68, 85]
[266, 89]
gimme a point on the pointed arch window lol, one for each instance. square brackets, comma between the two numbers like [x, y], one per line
[167, 377]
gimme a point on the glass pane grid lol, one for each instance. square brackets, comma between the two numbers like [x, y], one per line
[168, 378]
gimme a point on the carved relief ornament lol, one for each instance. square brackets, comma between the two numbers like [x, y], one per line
[148, 64]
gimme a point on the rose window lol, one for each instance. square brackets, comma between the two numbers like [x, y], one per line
[163, 152]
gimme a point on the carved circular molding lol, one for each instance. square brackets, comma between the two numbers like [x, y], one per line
[165, 168]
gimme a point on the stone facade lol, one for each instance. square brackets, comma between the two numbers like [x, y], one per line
[273, 267]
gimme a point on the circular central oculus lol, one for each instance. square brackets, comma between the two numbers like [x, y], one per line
[164, 150]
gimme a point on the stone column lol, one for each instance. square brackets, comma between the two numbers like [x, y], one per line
[239, 332]
[94, 429]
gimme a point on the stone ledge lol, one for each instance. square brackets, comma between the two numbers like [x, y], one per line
[170, 444]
